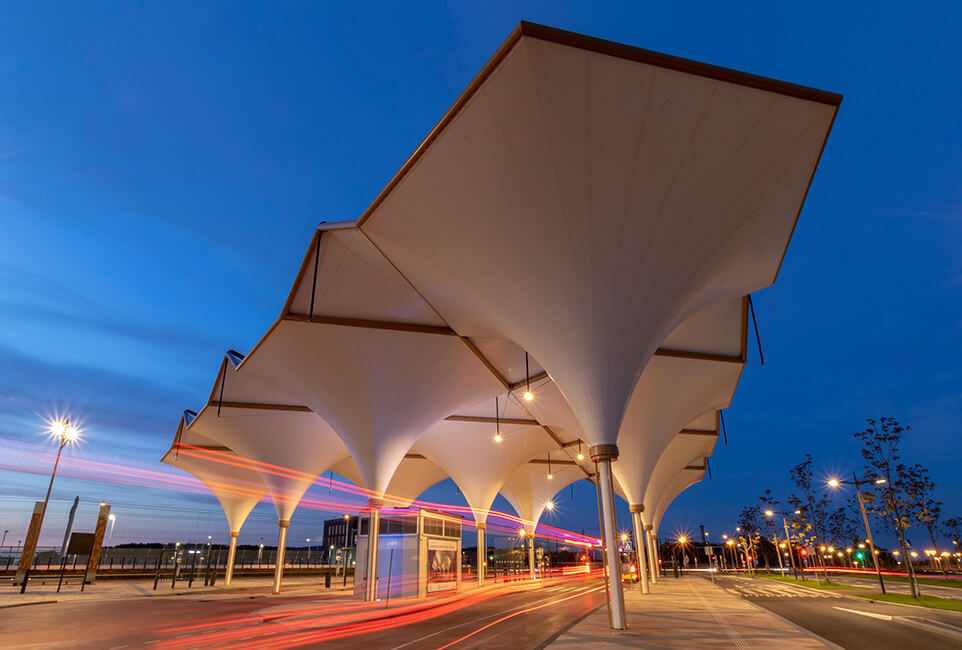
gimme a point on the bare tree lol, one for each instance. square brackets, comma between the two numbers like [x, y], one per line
[926, 508]
[888, 499]
[841, 527]
[750, 522]
[812, 504]
[952, 528]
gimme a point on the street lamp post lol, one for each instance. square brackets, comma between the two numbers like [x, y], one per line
[549, 506]
[788, 540]
[67, 434]
[834, 483]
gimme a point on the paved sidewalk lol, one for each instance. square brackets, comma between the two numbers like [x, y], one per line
[39, 591]
[689, 612]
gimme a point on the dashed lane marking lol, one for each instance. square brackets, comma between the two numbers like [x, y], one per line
[884, 617]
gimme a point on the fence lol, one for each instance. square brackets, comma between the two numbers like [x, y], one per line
[133, 560]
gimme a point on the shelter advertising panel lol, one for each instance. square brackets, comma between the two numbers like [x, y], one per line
[442, 565]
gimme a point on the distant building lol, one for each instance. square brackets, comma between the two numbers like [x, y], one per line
[340, 533]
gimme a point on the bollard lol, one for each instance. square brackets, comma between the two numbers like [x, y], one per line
[327, 580]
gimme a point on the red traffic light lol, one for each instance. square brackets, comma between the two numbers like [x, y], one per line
[749, 558]
[803, 552]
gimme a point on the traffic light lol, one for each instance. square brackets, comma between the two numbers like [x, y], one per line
[859, 555]
[803, 552]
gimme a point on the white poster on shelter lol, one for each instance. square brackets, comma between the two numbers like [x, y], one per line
[442, 564]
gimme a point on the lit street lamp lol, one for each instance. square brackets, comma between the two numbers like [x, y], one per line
[835, 483]
[66, 433]
[788, 539]
[549, 507]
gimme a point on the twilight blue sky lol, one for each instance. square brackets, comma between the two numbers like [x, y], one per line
[162, 169]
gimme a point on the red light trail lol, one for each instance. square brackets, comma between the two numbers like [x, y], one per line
[34, 458]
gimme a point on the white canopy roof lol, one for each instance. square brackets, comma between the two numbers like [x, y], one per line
[673, 391]
[358, 346]
[689, 448]
[229, 477]
[287, 444]
[681, 482]
[463, 444]
[626, 190]
[413, 476]
[529, 490]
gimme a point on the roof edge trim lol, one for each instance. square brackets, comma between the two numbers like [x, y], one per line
[346, 224]
[671, 62]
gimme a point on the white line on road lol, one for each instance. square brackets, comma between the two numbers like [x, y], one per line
[884, 617]
[484, 618]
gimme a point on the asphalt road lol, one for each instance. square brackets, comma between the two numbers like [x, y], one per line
[524, 619]
[852, 623]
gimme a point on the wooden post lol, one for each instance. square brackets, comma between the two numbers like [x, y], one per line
[94, 560]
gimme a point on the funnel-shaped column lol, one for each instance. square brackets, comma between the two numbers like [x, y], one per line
[531, 493]
[235, 484]
[480, 447]
[636, 192]
[413, 476]
[673, 391]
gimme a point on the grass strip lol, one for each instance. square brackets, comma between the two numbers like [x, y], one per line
[951, 604]
[923, 580]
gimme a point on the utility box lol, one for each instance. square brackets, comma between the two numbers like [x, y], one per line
[419, 553]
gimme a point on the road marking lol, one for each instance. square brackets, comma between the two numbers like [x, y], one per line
[477, 620]
[118, 647]
[884, 617]
[524, 611]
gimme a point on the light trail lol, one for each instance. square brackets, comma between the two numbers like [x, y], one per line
[317, 629]
[519, 613]
[33, 458]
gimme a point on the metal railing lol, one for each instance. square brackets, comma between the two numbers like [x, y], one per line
[134, 560]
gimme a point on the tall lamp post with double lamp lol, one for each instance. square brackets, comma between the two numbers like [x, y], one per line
[835, 483]
[788, 538]
[66, 433]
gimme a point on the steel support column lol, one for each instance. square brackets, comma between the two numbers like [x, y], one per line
[482, 552]
[603, 455]
[231, 555]
[641, 559]
[373, 531]
[279, 557]
[531, 569]
[652, 553]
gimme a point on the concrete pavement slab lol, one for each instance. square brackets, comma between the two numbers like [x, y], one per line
[689, 612]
